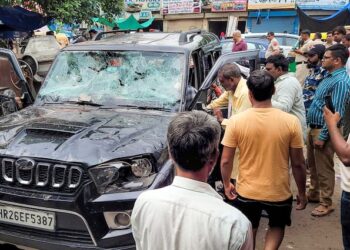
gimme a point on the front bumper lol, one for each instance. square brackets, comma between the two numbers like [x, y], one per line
[80, 223]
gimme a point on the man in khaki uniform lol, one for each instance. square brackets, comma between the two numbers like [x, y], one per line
[300, 58]
[274, 47]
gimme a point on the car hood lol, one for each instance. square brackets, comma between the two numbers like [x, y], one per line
[85, 134]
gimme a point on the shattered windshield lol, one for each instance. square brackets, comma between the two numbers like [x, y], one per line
[113, 78]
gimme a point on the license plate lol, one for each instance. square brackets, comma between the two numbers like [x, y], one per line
[27, 217]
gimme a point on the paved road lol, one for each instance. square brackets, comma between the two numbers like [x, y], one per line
[308, 232]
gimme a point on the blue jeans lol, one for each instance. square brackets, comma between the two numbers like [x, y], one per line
[345, 219]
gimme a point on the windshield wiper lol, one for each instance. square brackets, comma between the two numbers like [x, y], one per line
[89, 103]
[142, 107]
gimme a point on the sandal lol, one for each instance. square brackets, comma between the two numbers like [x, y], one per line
[310, 200]
[322, 210]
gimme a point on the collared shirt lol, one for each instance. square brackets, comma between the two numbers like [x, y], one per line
[273, 46]
[240, 46]
[311, 83]
[316, 41]
[304, 49]
[289, 98]
[336, 84]
[345, 175]
[347, 66]
[238, 100]
[189, 215]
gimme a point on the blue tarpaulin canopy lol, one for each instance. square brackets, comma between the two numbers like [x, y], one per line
[19, 19]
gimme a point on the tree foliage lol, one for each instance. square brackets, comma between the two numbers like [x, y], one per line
[69, 11]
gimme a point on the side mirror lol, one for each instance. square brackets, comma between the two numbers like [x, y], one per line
[7, 105]
[200, 106]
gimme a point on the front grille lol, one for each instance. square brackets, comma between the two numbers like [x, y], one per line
[42, 176]
[67, 235]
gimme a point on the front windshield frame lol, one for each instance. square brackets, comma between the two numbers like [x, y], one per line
[180, 66]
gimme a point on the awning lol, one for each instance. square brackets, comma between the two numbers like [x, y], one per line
[103, 21]
[132, 24]
[19, 19]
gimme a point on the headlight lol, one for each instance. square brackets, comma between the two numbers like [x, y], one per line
[121, 176]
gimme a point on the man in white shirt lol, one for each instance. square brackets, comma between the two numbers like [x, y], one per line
[288, 94]
[189, 214]
[342, 149]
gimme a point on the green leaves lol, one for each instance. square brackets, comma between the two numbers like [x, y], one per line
[69, 11]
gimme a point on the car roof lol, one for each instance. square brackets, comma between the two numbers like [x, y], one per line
[264, 34]
[155, 41]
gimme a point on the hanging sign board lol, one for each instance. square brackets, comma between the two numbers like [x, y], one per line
[181, 6]
[228, 5]
[271, 4]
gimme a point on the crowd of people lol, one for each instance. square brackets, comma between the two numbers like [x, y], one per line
[271, 116]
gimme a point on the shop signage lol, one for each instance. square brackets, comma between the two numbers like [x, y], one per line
[322, 4]
[145, 14]
[228, 5]
[152, 5]
[181, 6]
[271, 4]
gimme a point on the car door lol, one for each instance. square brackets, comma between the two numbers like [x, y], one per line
[252, 56]
[15, 92]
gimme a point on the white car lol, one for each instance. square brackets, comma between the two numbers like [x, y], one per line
[286, 41]
[39, 53]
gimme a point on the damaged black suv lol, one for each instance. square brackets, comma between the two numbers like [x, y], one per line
[73, 164]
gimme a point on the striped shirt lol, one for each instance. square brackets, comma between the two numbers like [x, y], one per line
[336, 84]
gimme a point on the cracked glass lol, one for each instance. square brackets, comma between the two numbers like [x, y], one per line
[112, 78]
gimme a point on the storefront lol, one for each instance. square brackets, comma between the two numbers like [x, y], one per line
[285, 21]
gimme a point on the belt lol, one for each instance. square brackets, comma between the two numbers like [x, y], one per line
[300, 63]
[314, 126]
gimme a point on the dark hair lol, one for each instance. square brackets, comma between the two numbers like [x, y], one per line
[50, 33]
[339, 51]
[330, 32]
[193, 139]
[230, 70]
[270, 33]
[318, 35]
[261, 85]
[93, 31]
[278, 61]
[307, 32]
[339, 29]
[347, 37]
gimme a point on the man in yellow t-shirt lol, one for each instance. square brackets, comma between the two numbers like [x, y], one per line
[267, 139]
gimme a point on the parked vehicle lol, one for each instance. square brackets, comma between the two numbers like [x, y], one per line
[39, 53]
[286, 41]
[16, 83]
[74, 163]
[227, 45]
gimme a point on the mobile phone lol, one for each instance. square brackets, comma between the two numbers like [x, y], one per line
[329, 103]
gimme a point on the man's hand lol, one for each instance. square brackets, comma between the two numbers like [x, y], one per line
[230, 191]
[330, 118]
[319, 144]
[301, 201]
[298, 51]
[219, 116]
